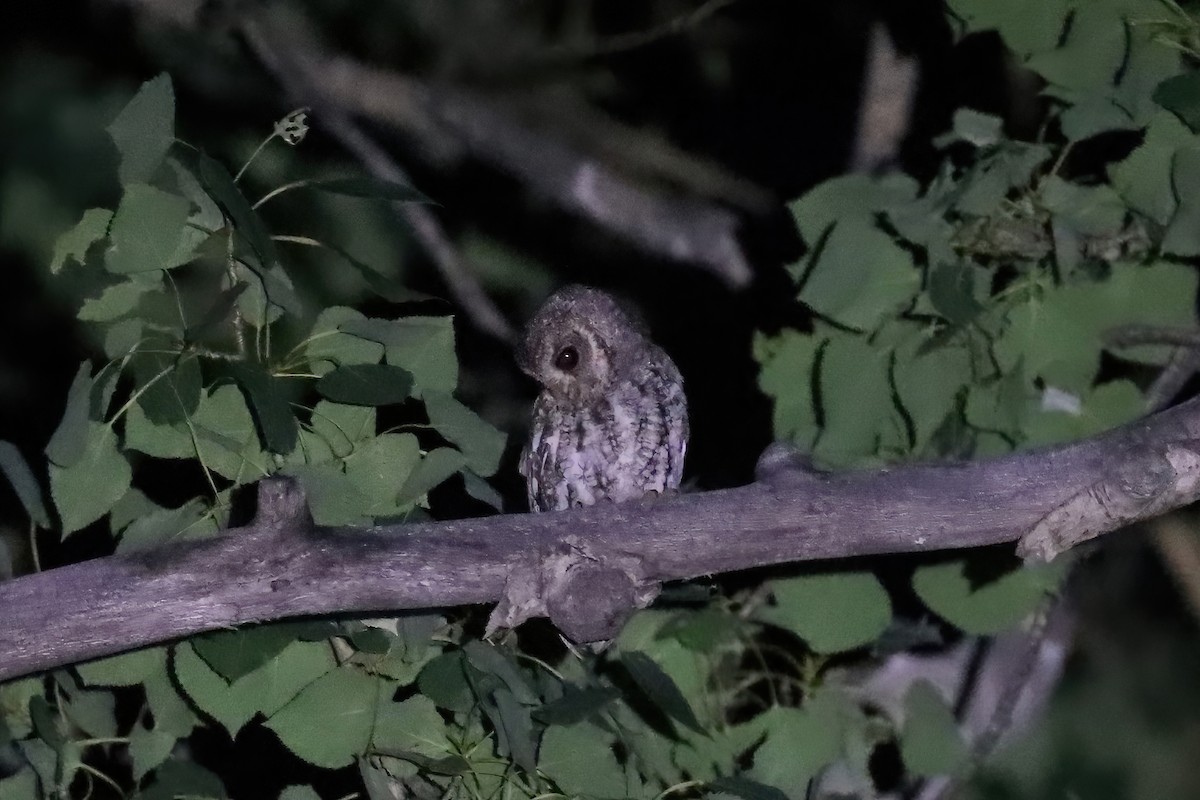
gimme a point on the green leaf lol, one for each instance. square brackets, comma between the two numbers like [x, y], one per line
[422, 345]
[220, 186]
[1107, 406]
[228, 438]
[114, 302]
[660, 688]
[74, 244]
[950, 592]
[798, 743]
[234, 654]
[192, 520]
[976, 128]
[93, 712]
[849, 197]
[272, 412]
[1089, 210]
[745, 789]
[444, 681]
[299, 792]
[929, 386]
[171, 384]
[580, 759]
[952, 292]
[1181, 95]
[177, 779]
[379, 467]
[144, 130]
[833, 612]
[476, 438]
[1182, 237]
[370, 187]
[342, 427]
[171, 711]
[329, 723]
[482, 491]
[495, 661]
[437, 465]
[367, 385]
[327, 347]
[66, 445]
[513, 725]
[122, 337]
[1094, 50]
[851, 366]
[413, 726]
[786, 375]
[21, 785]
[859, 277]
[333, 496]
[1026, 26]
[146, 230]
[266, 690]
[85, 491]
[930, 743]
[1143, 179]
[576, 704]
[126, 669]
[16, 470]
[148, 749]
[160, 441]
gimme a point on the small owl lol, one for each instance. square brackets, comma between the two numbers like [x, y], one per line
[611, 421]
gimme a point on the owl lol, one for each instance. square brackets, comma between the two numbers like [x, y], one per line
[611, 421]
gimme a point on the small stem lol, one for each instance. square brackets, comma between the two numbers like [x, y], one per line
[116, 787]
[239, 324]
[679, 787]
[33, 547]
[253, 156]
[103, 740]
[134, 397]
[278, 190]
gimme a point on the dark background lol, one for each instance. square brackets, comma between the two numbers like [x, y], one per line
[769, 90]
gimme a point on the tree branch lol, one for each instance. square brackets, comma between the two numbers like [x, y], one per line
[281, 566]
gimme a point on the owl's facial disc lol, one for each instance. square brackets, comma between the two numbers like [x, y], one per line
[578, 343]
[572, 364]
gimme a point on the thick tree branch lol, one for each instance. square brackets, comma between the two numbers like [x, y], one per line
[281, 566]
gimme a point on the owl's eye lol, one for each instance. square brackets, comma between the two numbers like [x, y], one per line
[567, 359]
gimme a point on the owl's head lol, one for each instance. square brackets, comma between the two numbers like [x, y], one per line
[581, 342]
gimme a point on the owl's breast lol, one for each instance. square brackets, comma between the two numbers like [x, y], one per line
[617, 447]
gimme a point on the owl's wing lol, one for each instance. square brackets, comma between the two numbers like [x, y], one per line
[533, 456]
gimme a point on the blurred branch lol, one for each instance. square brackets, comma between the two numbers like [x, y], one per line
[889, 91]
[660, 212]
[587, 569]
[624, 42]
[296, 78]
[1179, 547]
[1001, 691]
[1174, 539]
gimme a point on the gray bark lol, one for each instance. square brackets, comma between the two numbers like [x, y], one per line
[281, 566]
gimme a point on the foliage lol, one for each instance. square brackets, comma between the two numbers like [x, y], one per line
[962, 318]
